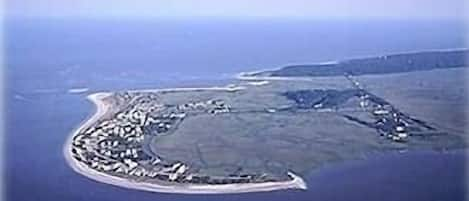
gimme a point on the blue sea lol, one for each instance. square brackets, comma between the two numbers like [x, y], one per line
[45, 58]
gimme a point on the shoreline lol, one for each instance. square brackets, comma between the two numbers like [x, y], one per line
[229, 88]
[248, 75]
[101, 109]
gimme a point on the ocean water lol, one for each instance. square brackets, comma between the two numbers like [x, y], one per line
[46, 58]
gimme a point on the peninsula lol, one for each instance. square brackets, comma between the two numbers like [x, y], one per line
[271, 128]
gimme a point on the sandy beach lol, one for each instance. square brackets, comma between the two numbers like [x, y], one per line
[247, 76]
[224, 88]
[101, 108]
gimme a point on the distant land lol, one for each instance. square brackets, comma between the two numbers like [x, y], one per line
[396, 63]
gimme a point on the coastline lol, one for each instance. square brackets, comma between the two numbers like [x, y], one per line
[228, 88]
[101, 108]
[248, 75]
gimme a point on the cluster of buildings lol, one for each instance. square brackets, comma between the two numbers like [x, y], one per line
[390, 123]
[210, 106]
[115, 145]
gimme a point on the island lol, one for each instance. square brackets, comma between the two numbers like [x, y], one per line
[269, 129]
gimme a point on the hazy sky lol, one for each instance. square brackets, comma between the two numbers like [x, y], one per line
[427, 9]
